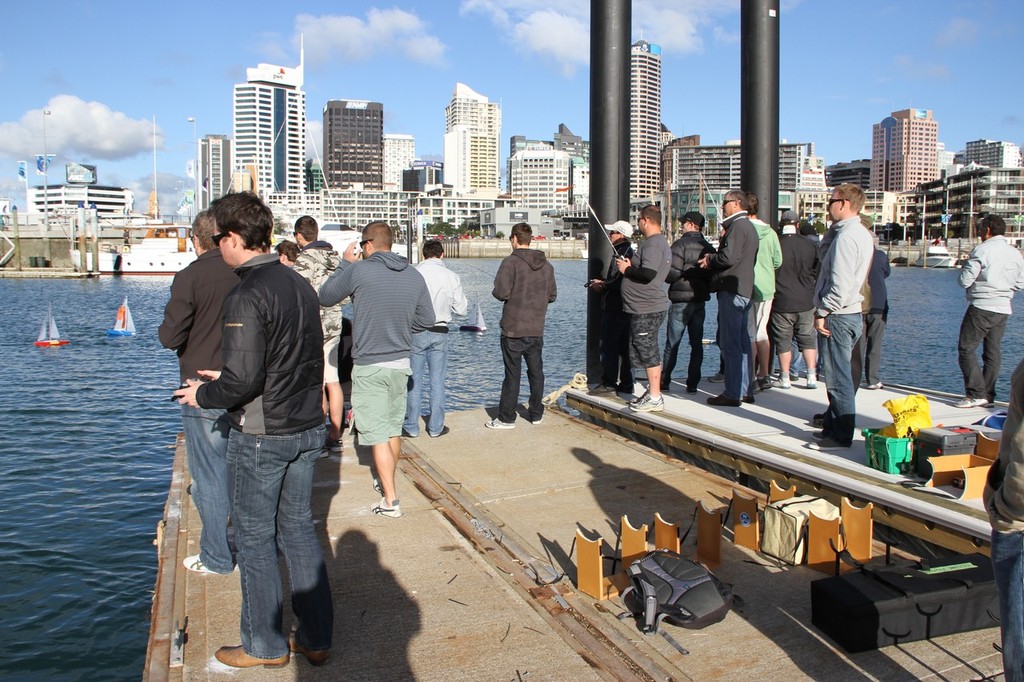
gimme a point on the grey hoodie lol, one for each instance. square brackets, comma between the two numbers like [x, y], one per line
[993, 272]
[526, 283]
[390, 302]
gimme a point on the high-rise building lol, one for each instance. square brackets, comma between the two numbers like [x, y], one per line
[354, 144]
[422, 176]
[644, 120]
[540, 177]
[314, 176]
[472, 132]
[992, 154]
[214, 169]
[687, 163]
[854, 172]
[269, 129]
[399, 153]
[904, 150]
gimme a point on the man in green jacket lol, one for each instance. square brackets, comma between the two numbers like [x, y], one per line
[769, 258]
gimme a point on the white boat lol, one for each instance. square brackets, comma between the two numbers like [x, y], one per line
[478, 326]
[937, 256]
[340, 236]
[584, 253]
[164, 250]
[49, 335]
[124, 325]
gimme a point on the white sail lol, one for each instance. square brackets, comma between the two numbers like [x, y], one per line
[480, 319]
[129, 323]
[45, 326]
[54, 334]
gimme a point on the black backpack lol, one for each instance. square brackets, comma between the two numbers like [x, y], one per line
[664, 585]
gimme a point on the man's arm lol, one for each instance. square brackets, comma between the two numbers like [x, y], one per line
[970, 271]
[178, 315]
[776, 250]
[424, 319]
[677, 266]
[503, 281]
[243, 347]
[460, 306]
[552, 287]
[338, 286]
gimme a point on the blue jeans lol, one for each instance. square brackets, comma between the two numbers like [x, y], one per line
[689, 318]
[271, 480]
[1008, 567]
[430, 353]
[734, 342]
[841, 415]
[513, 351]
[206, 446]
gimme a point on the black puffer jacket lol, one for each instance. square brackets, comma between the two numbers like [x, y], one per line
[272, 380]
[687, 280]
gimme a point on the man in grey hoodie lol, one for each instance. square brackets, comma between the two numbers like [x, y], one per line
[390, 302]
[526, 284]
[992, 273]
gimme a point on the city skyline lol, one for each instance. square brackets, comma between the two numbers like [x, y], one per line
[103, 85]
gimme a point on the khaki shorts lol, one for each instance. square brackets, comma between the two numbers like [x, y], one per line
[331, 360]
[757, 323]
[378, 402]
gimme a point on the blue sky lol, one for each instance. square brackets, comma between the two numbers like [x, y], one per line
[105, 68]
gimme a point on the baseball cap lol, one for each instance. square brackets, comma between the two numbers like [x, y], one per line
[789, 218]
[622, 227]
[693, 217]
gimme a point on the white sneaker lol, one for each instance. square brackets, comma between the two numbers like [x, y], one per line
[970, 402]
[194, 563]
[498, 424]
[874, 387]
[639, 399]
[784, 383]
[394, 510]
[648, 404]
[812, 381]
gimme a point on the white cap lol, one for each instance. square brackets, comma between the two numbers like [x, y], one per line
[622, 227]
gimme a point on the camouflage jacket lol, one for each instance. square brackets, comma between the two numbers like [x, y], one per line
[316, 263]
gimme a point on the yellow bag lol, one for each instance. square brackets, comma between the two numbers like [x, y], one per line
[909, 415]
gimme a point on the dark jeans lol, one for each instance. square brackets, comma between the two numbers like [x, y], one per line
[689, 318]
[867, 354]
[981, 327]
[616, 368]
[513, 351]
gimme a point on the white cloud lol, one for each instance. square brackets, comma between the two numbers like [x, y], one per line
[959, 32]
[351, 39]
[564, 39]
[77, 130]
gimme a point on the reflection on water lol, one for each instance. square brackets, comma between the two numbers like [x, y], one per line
[86, 447]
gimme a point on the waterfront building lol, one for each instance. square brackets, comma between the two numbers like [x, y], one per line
[945, 160]
[685, 161]
[644, 120]
[399, 153]
[540, 177]
[471, 139]
[445, 204]
[214, 169]
[269, 130]
[904, 150]
[965, 196]
[854, 172]
[64, 200]
[353, 144]
[422, 176]
[501, 219]
[992, 154]
[578, 150]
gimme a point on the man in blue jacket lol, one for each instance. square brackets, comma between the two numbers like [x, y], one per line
[271, 384]
[992, 273]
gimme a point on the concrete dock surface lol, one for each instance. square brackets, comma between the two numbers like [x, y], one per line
[477, 580]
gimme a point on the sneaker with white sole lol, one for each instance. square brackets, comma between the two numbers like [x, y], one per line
[784, 383]
[195, 564]
[640, 398]
[498, 424]
[394, 510]
[812, 381]
[970, 402]
[377, 487]
[538, 421]
[648, 404]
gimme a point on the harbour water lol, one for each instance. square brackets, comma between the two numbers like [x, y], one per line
[88, 430]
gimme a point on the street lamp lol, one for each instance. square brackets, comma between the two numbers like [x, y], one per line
[46, 178]
[195, 168]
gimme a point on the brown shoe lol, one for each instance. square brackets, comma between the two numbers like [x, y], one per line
[315, 656]
[236, 657]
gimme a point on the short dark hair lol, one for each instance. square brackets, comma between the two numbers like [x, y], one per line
[752, 203]
[246, 215]
[307, 227]
[652, 213]
[992, 223]
[288, 249]
[433, 249]
[523, 233]
[203, 228]
[380, 234]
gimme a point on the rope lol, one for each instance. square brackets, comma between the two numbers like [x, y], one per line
[579, 382]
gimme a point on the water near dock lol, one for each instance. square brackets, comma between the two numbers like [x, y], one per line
[89, 429]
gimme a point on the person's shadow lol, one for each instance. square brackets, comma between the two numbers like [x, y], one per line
[374, 619]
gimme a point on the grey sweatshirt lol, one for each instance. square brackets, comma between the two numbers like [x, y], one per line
[992, 273]
[844, 267]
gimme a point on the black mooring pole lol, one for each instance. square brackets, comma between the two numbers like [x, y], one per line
[759, 104]
[610, 22]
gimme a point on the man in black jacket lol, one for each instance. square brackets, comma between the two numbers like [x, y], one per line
[688, 294]
[271, 385]
[616, 369]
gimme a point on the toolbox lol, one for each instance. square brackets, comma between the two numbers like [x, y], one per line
[881, 604]
[937, 441]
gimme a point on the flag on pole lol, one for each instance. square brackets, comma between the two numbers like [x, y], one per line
[43, 163]
[190, 169]
[23, 171]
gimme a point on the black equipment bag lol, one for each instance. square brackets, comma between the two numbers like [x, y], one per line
[880, 605]
[664, 585]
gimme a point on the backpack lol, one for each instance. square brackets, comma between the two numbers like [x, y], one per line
[664, 585]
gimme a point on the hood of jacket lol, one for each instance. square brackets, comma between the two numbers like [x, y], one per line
[392, 261]
[534, 258]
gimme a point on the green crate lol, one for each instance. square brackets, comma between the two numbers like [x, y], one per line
[891, 455]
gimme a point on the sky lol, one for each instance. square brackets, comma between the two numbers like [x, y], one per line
[105, 69]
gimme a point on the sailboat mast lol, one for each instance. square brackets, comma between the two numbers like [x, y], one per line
[156, 196]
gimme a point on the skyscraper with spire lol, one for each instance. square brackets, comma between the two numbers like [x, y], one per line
[269, 129]
[644, 120]
[472, 132]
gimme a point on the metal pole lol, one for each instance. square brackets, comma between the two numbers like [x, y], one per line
[610, 22]
[46, 191]
[759, 104]
[195, 171]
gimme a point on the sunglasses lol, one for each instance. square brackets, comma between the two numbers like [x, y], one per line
[218, 237]
[833, 201]
[365, 242]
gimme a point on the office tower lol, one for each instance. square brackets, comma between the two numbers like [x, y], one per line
[422, 176]
[354, 144]
[716, 167]
[539, 177]
[992, 154]
[399, 153]
[314, 176]
[269, 129]
[644, 120]
[472, 131]
[214, 169]
[854, 172]
[904, 150]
